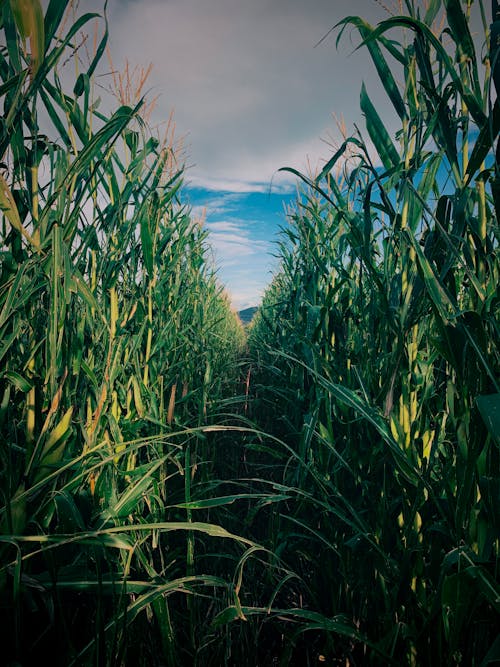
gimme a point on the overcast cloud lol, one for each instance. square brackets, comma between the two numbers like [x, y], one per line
[249, 90]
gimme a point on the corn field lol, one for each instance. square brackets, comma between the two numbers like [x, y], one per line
[322, 488]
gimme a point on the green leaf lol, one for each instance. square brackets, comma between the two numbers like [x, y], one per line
[336, 156]
[384, 71]
[18, 381]
[489, 407]
[128, 502]
[54, 117]
[493, 655]
[53, 17]
[82, 85]
[147, 243]
[474, 105]
[225, 500]
[484, 142]
[433, 7]
[95, 149]
[351, 398]
[378, 133]
[459, 27]
[457, 597]
[439, 297]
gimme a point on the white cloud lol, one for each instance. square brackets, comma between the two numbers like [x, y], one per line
[231, 240]
[222, 226]
[246, 296]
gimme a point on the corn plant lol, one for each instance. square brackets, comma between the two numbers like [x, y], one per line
[114, 335]
[383, 329]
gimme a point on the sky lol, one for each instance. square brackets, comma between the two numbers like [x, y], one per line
[251, 91]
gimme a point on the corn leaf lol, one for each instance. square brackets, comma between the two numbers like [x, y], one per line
[378, 133]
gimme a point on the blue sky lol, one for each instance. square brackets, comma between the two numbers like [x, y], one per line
[243, 229]
[250, 93]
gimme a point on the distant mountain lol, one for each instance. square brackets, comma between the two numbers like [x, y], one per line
[247, 314]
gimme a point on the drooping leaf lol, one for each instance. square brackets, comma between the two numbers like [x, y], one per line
[387, 79]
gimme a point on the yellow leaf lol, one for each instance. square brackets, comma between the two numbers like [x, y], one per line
[9, 208]
[28, 16]
[171, 405]
[137, 397]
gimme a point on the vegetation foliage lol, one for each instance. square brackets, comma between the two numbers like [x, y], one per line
[329, 494]
[115, 339]
[377, 345]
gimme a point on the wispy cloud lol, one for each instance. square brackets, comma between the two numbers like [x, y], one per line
[231, 241]
[223, 226]
[220, 204]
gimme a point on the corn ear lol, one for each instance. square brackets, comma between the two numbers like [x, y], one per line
[53, 448]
